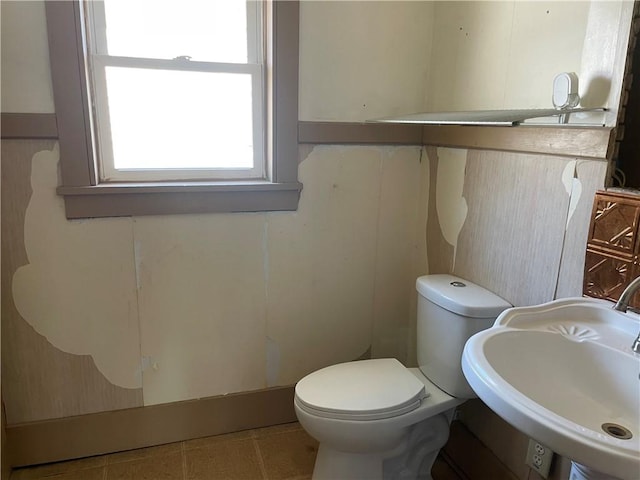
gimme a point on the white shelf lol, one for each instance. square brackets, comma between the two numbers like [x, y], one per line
[508, 118]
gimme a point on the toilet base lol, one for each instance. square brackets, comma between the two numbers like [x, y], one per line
[411, 460]
[332, 464]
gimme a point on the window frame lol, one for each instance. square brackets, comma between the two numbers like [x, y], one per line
[99, 60]
[85, 196]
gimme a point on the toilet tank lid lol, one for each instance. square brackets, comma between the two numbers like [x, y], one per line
[461, 296]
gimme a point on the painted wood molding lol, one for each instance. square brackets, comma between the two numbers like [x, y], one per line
[28, 126]
[108, 432]
[585, 142]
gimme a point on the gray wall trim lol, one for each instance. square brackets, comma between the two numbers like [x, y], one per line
[99, 201]
[108, 432]
[29, 126]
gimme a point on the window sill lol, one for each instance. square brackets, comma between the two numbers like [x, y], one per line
[133, 199]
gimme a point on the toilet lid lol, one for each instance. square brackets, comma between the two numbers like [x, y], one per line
[362, 390]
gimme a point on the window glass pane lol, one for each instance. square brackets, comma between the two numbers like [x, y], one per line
[179, 120]
[205, 30]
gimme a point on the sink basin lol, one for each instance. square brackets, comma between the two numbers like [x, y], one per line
[564, 374]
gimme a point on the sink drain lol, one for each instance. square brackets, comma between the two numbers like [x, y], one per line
[617, 431]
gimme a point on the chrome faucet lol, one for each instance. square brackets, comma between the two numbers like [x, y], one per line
[623, 304]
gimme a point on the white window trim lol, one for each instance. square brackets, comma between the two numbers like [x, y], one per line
[98, 60]
[85, 196]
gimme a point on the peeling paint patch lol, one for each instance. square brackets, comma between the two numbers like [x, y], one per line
[439, 251]
[450, 204]
[147, 362]
[79, 285]
[201, 305]
[573, 186]
[322, 262]
[423, 212]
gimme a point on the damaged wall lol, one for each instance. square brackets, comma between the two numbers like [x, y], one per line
[159, 309]
[39, 379]
[526, 220]
[107, 314]
[180, 307]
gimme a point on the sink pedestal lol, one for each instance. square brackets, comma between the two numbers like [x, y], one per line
[582, 472]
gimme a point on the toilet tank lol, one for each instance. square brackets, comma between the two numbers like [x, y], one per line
[450, 311]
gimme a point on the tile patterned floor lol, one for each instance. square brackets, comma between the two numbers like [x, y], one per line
[283, 452]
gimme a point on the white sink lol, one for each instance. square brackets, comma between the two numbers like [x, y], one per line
[559, 372]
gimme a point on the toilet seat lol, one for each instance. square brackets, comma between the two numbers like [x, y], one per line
[362, 390]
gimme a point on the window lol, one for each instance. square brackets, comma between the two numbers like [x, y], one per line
[153, 122]
[178, 95]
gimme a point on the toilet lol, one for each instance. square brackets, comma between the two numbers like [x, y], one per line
[377, 419]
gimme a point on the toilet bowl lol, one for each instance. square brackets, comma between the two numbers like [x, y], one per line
[377, 419]
[357, 448]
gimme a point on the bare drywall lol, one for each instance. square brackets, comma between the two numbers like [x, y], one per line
[78, 289]
[40, 381]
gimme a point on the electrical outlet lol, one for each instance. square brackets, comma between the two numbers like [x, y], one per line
[539, 458]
